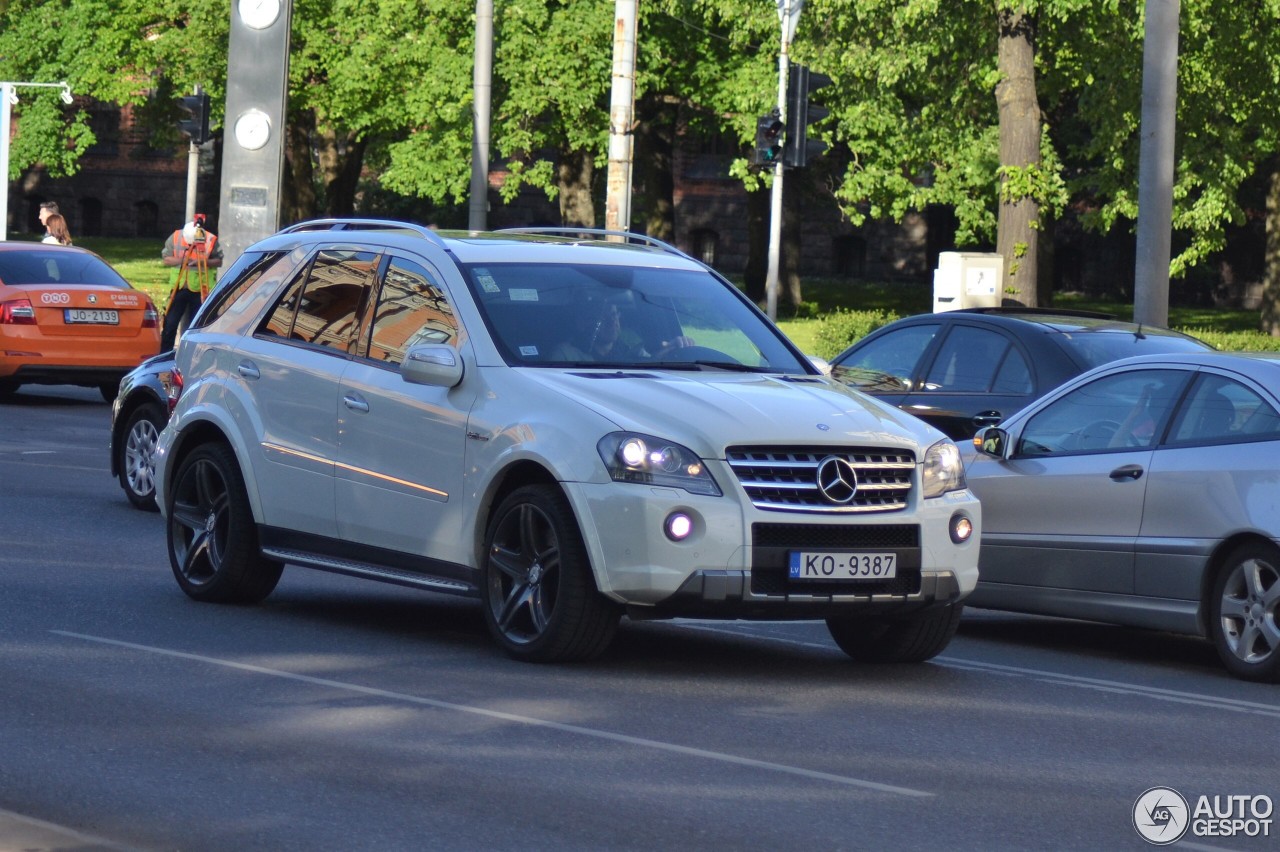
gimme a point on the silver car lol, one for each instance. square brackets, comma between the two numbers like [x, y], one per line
[1144, 493]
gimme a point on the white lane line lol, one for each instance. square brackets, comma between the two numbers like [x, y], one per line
[510, 717]
[18, 831]
[1198, 699]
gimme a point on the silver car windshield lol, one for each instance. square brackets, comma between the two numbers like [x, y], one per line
[592, 315]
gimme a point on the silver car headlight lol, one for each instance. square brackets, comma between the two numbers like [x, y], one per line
[644, 459]
[943, 469]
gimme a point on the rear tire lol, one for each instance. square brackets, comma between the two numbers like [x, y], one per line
[7, 388]
[1244, 613]
[136, 461]
[540, 599]
[911, 638]
[212, 540]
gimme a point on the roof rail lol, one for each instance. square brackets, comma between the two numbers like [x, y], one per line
[1057, 312]
[355, 224]
[629, 236]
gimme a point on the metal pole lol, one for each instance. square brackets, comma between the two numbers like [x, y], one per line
[482, 84]
[6, 94]
[1155, 162]
[775, 203]
[622, 103]
[193, 173]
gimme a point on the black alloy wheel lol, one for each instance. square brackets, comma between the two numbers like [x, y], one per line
[540, 600]
[213, 543]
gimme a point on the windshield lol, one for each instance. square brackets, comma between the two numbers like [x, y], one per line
[591, 315]
[57, 266]
[1095, 348]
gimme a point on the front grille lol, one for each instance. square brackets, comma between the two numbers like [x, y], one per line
[786, 479]
[772, 543]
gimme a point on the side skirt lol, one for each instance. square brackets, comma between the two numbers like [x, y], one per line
[368, 562]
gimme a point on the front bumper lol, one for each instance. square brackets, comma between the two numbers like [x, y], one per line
[734, 564]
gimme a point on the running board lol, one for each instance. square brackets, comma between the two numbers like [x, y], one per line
[371, 572]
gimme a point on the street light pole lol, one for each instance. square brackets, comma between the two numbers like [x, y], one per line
[9, 98]
[622, 102]
[482, 83]
[789, 13]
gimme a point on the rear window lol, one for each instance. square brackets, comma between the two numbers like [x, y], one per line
[1095, 348]
[57, 266]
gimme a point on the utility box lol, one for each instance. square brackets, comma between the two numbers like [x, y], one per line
[967, 279]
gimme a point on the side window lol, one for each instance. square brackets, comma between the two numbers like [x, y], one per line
[412, 308]
[335, 290]
[230, 289]
[1219, 410]
[279, 321]
[887, 363]
[969, 360]
[1120, 411]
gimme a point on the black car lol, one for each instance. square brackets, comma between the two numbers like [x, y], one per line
[140, 411]
[962, 370]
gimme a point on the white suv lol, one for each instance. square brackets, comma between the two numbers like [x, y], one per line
[567, 425]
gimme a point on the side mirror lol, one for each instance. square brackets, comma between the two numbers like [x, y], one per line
[993, 441]
[435, 364]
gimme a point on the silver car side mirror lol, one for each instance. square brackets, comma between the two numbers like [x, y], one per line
[435, 364]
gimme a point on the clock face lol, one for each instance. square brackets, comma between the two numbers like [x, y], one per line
[259, 14]
[252, 129]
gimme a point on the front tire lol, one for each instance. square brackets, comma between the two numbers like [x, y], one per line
[136, 463]
[540, 600]
[1244, 613]
[911, 638]
[213, 543]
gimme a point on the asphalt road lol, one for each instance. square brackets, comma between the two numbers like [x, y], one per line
[343, 714]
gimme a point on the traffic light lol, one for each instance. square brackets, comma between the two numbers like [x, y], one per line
[195, 117]
[768, 140]
[801, 84]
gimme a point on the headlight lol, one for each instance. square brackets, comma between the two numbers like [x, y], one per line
[943, 470]
[644, 459]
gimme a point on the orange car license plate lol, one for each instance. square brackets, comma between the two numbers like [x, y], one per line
[96, 317]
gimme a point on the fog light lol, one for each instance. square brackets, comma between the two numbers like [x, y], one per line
[961, 528]
[678, 526]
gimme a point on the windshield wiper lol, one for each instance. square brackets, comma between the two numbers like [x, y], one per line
[733, 366]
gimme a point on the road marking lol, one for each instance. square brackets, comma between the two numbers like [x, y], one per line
[23, 832]
[1056, 678]
[510, 717]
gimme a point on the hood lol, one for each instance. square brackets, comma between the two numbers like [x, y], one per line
[708, 411]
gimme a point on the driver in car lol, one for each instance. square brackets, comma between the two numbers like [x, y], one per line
[599, 336]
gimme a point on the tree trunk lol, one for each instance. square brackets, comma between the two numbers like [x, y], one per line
[793, 190]
[653, 206]
[574, 174]
[1271, 273]
[1016, 237]
[298, 195]
[756, 274]
[341, 157]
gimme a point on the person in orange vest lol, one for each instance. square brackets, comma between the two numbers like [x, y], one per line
[192, 251]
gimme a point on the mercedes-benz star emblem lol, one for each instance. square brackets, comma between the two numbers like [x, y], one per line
[837, 479]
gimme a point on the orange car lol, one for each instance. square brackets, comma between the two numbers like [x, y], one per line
[68, 318]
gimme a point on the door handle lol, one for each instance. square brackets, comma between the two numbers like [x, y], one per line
[249, 370]
[987, 418]
[1128, 471]
[356, 403]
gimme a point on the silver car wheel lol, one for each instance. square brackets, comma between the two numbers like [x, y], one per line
[1250, 599]
[139, 458]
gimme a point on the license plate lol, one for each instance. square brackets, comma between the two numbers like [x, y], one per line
[826, 565]
[90, 315]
